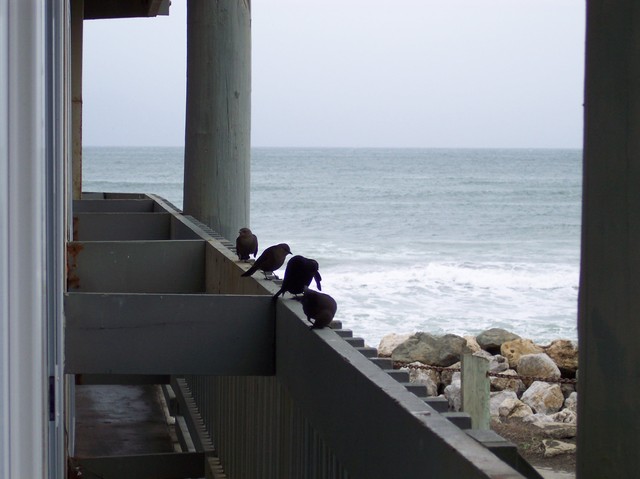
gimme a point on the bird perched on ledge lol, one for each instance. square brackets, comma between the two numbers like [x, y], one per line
[299, 273]
[317, 306]
[270, 260]
[246, 244]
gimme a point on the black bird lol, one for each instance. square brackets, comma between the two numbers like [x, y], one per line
[246, 244]
[299, 273]
[318, 306]
[270, 260]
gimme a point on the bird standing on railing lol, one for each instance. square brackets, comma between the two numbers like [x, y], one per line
[299, 273]
[246, 244]
[270, 260]
[317, 306]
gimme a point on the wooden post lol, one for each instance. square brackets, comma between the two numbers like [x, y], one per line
[77, 22]
[609, 302]
[475, 391]
[217, 138]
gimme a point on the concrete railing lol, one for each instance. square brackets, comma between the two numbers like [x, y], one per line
[267, 395]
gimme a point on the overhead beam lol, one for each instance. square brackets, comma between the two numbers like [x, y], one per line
[102, 9]
[174, 465]
[169, 334]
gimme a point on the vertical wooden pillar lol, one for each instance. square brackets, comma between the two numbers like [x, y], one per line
[217, 139]
[476, 391]
[609, 303]
[77, 21]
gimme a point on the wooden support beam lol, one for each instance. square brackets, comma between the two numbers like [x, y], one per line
[475, 391]
[169, 334]
[159, 466]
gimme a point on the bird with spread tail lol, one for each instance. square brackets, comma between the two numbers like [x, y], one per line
[270, 260]
[317, 306]
[246, 244]
[298, 274]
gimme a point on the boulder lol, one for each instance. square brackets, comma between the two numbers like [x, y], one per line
[447, 374]
[497, 363]
[513, 350]
[426, 377]
[496, 400]
[472, 344]
[565, 354]
[507, 384]
[453, 393]
[543, 397]
[491, 339]
[513, 407]
[571, 402]
[389, 342]
[553, 447]
[566, 416]
[430, 349]
[556, 430]
[537, 365]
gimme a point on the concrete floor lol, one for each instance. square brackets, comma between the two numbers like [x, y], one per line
[120, 420]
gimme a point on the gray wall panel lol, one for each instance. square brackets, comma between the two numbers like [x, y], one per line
[169, 334]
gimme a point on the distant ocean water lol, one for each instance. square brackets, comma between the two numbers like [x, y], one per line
[436, 240]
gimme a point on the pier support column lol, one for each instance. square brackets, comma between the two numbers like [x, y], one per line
[217, 139]
[609, 304]
[77, 23]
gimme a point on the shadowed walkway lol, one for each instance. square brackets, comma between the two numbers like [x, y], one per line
[113, 420]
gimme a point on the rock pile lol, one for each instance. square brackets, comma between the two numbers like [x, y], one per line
[527, 392]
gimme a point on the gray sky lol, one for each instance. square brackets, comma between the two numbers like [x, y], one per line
[380, 73]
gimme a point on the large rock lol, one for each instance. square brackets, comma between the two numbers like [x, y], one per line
[539, 366]
[472, 344]
[556, 430]
[513, 407]
[491, 339]
[389, 342]
[553, 447]
[497, 363]
[571, 402]
[430, 349]
[566, 416]
[507, 384]
[425, 377]
[453, 392]
[513, 350]
[447, 374]
[497, 399]
[543, 397]
[565, 354]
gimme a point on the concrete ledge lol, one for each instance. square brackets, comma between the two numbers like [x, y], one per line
[121, 226]
[169, 334]
[136, 266]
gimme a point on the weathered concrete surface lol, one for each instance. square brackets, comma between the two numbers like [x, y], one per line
[120, 420]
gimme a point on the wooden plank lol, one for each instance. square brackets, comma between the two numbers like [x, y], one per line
[159, 466]
[169, 334]
[475, 391]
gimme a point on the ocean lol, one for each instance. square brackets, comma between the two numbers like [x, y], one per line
[436, 240]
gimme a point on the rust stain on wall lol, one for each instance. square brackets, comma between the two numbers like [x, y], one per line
[73, 251]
